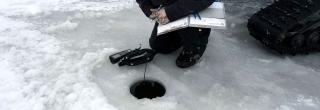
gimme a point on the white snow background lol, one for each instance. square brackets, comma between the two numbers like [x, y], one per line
[54, 56]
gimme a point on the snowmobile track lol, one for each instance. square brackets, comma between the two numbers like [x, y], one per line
[288, 26]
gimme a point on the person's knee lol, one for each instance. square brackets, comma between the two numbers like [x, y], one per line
[158, 46]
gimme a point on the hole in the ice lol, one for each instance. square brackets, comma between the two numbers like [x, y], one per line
[147, 89]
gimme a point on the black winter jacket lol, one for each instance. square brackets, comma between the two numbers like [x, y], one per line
[175, 9]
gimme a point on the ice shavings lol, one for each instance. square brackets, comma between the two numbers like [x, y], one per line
[67, 25]
[39, 74]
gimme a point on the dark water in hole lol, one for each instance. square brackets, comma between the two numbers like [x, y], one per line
[147, 89]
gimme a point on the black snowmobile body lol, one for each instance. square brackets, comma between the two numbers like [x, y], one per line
[288, 26]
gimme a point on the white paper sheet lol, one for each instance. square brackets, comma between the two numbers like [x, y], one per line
[212, 17]
[173, 26]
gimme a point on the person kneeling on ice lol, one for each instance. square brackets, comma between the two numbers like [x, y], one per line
[192, 40]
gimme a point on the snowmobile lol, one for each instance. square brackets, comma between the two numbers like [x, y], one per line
[288, 26]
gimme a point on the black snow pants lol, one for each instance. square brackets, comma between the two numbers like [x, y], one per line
[188, 38]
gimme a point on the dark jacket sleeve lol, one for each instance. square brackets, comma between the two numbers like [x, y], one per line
[182, 8]
[145, 6]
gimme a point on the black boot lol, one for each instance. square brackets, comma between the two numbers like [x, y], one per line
[189, 57]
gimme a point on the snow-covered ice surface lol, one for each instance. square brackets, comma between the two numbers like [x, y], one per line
[53, 56]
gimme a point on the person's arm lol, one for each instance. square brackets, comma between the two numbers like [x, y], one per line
[145, 6]
[183, 8]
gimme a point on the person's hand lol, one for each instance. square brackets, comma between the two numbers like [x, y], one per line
[153, 15]
[159, 15]
[162, 17]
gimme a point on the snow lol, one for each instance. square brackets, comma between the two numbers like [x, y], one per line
[67, 25]
[53, 56]
[39, 74]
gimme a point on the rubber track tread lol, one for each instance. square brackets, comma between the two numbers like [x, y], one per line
[288, 26]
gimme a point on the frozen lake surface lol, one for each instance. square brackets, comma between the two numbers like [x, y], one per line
[54, 56]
